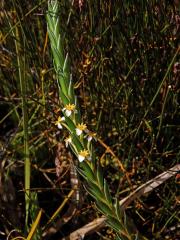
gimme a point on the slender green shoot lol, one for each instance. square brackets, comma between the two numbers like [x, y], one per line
[22, 80]
[80, 137]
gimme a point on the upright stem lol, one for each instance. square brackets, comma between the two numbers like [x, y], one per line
[27, 168]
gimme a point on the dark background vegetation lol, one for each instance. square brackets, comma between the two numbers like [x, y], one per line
[119, 52]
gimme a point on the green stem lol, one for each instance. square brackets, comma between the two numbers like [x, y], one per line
[27, 169]
[96, 184]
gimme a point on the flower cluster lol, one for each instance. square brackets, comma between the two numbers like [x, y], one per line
[80, 128]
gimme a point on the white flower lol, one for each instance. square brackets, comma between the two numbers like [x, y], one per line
[59, 122]
[68, 109]
[89, 138]
[80, 128]
[68, 140]
[90, 135]
[82, 155]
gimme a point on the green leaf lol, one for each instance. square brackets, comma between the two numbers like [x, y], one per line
[81, 172]
[114, 223]
[64, 99]
[98, 195]
[88, 171]
[90, 191]
[107, 193]
[100, 176]
[118, 237]
[71, 91]
[58, 58]
[71, 124]
[56, 53]
[104, 208]
[74, 149]
[49, 21]
[76, 142]
[65, 65]
[118, 210]
[56, 27]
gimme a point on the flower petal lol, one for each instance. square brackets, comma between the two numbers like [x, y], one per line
[68, 113]
[78, 131]
[68, 141]
[59, 126]
[89, 138]
[81, 158]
